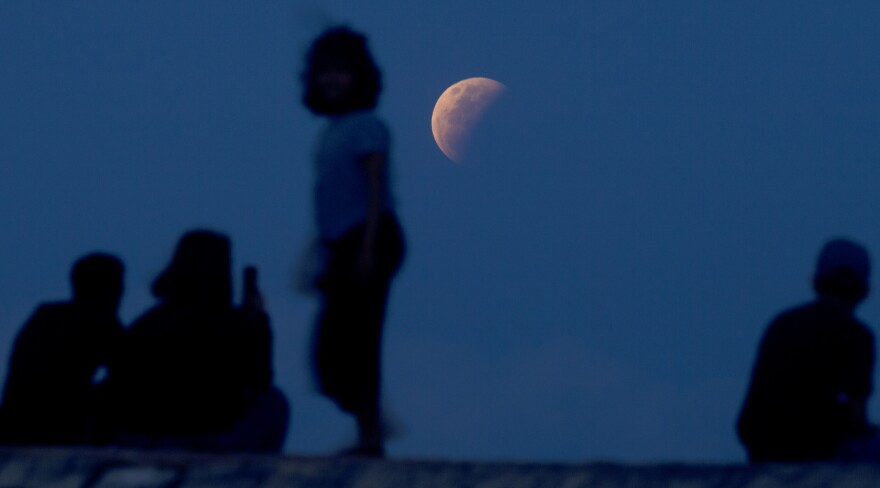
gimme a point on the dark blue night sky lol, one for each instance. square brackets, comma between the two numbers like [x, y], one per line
[653, 187]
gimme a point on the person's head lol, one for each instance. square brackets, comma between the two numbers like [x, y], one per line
[340, 74]
[842, 271]
[199, 272]
[97, 279]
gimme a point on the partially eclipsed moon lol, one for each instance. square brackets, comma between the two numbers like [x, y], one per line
[458, 110]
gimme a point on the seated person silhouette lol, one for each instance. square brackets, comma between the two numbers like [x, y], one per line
[813, 373]
[195, 372]
[48, 398]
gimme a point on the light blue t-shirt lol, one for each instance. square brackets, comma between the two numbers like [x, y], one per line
[341, 187]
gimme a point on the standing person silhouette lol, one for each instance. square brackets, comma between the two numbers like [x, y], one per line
[813, 373]
[359, 233]
[50, 393]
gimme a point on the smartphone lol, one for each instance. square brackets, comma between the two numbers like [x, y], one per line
[250, 280]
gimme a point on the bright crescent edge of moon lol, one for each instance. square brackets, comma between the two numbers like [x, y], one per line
[458, 110]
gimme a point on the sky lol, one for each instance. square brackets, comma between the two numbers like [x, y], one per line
[591, 284]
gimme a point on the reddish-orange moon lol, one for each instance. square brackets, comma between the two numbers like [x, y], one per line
[459, 110]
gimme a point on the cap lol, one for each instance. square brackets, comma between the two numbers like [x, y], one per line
[842, 254]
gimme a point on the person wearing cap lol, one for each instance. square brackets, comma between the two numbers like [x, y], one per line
[814, 369]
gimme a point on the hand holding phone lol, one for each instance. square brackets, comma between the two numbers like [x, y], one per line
[251, 296]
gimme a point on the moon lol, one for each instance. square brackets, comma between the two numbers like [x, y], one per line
[459, 110]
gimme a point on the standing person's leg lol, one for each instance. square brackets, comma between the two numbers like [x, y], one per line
[345, 353]
[373, 304]
[347, 350]
[331, 341]
[368, 381]
[334, 346]
[347, 358]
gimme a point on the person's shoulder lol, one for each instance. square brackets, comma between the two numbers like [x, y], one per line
[364, 131]
[148, 314]
[50, 313]
[45, 317]
[793, 314]
[364, 117]
[153, 317]
[365, 120]
[791, 322]
[54, 308]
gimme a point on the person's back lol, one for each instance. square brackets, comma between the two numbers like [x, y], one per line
[813, 372]
[48, 395]
[813, 359]
[192, 368]
[189, 369]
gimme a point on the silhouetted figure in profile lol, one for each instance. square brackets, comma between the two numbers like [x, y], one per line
[195, 372]
[359, 232]
[813, 374]
[49, 393]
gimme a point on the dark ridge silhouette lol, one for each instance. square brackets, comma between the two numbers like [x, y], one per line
[125, 468]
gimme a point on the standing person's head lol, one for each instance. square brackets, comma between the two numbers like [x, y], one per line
[842, 271]
[97, 280]
[340, 74]
[199, 272]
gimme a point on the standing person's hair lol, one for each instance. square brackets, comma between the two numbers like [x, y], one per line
[340, 48]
